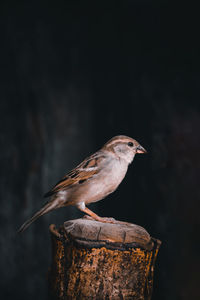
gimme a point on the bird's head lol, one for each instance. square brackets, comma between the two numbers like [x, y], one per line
[124, 147]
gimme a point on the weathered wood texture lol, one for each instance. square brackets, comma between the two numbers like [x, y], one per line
[93, 260]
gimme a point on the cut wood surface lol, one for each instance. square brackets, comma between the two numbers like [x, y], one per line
[94, 260]
[123, 233]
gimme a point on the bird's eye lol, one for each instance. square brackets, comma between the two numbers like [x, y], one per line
[130, 144]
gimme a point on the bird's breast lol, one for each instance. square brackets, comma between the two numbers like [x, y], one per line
[105, 182]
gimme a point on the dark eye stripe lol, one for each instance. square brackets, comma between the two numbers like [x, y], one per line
[130, 144]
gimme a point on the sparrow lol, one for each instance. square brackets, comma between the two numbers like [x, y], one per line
[92, 180]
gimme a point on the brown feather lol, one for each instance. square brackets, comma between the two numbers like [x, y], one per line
[77, 175]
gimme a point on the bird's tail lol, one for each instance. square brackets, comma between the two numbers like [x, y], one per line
[45, 209]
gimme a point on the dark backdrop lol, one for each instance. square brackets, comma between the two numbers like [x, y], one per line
[74, 74]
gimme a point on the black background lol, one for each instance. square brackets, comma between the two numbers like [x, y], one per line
[74, 74]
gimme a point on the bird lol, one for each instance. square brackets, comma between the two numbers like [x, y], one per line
[93, 179]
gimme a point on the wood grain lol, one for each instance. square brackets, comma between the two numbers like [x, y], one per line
[94, 260]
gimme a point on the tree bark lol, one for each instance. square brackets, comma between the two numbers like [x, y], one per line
[94, 260]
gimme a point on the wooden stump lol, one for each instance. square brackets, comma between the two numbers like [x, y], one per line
[94, 260]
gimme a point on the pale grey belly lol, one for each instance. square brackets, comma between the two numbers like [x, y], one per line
[98, 191]
[97, 188]
[93, 192]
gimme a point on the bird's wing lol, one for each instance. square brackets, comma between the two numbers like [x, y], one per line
[83, 172]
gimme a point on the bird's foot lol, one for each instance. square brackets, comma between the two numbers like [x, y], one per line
[106, 220]
[101, 219]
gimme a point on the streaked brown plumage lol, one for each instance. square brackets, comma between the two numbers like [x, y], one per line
[93, 179]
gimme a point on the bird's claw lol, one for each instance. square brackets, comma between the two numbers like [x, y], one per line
[107, 220]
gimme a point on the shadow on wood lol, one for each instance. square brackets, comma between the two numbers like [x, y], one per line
[94, 260]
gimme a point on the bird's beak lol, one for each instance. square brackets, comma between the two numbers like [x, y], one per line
[140, 149]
